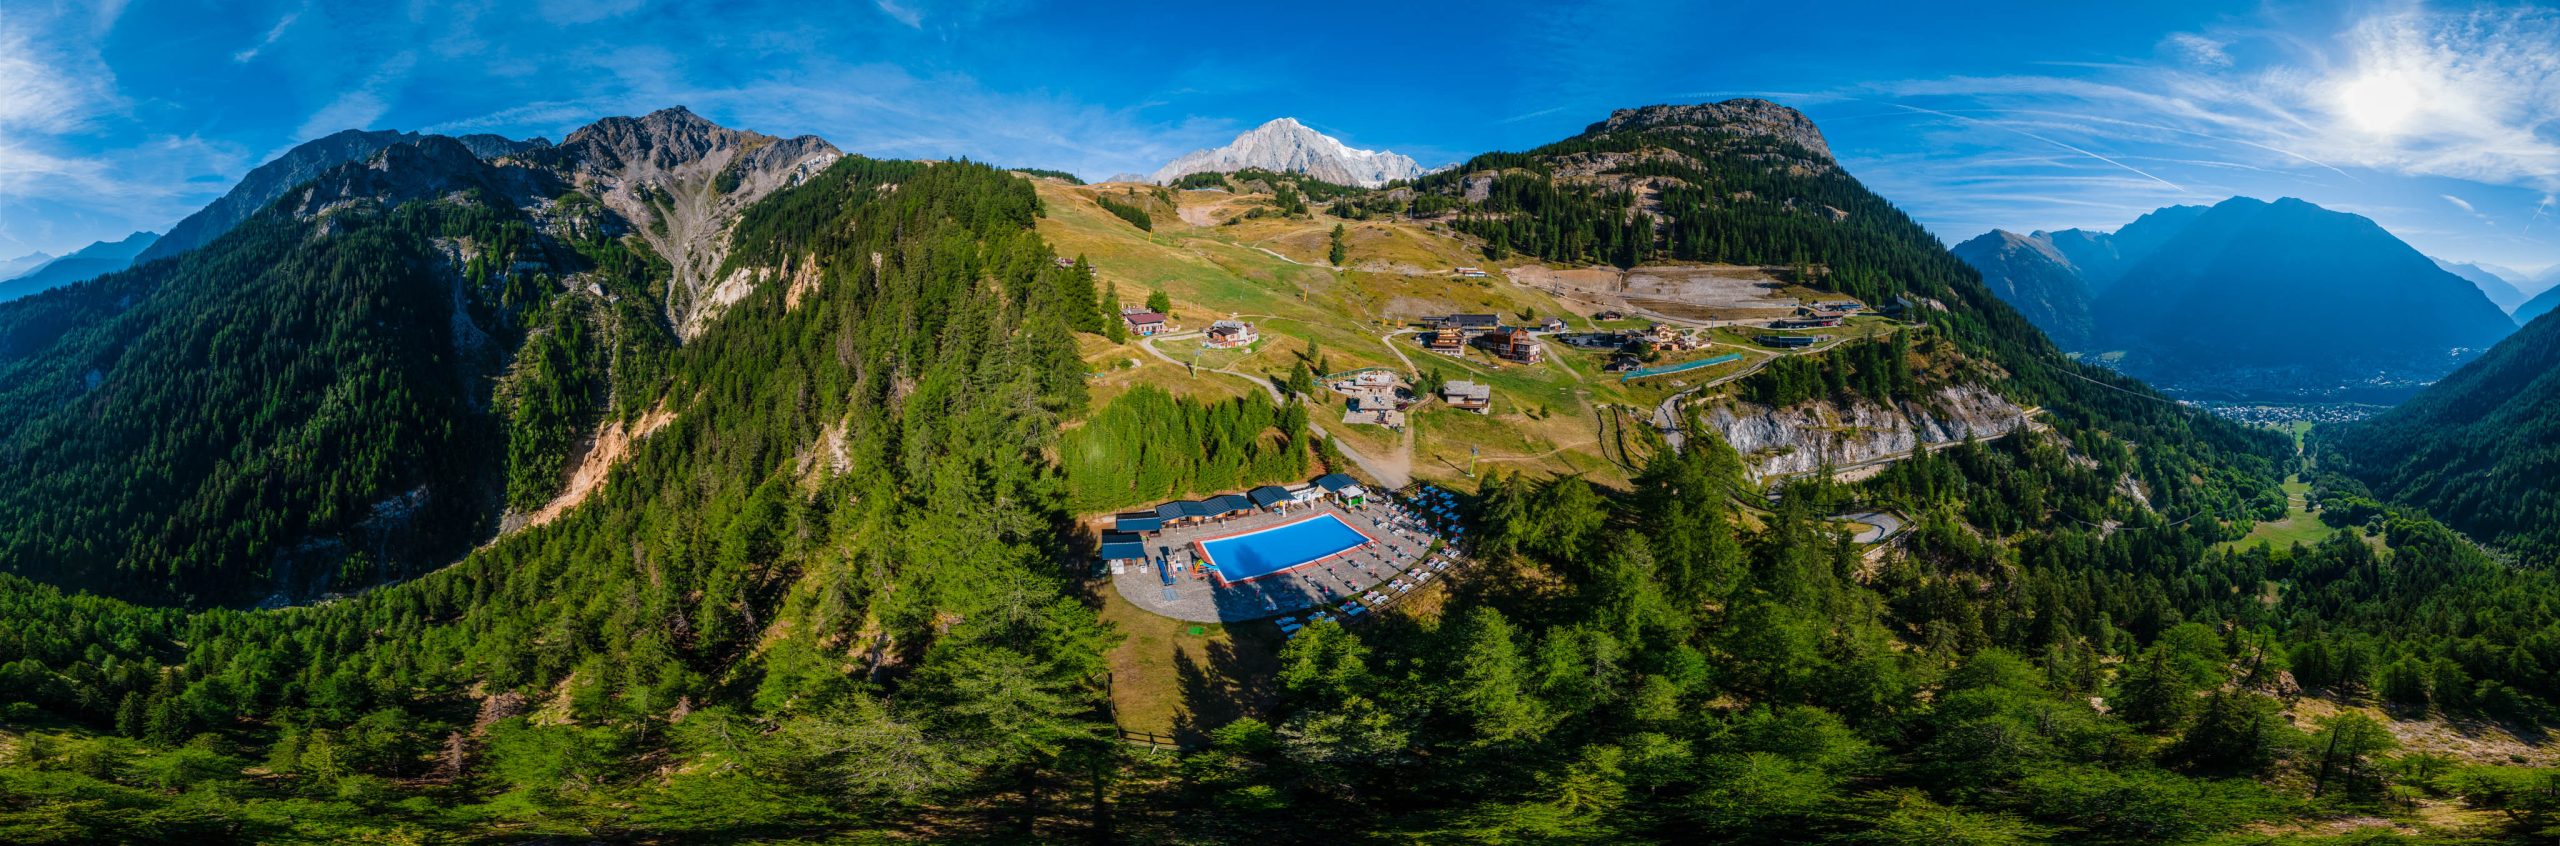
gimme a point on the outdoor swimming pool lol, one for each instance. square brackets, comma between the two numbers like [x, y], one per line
[1262, 552]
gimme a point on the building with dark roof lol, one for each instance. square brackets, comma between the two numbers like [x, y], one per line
[1269, 496]
[1138, 522]
[1117, 546]
[1229, 504]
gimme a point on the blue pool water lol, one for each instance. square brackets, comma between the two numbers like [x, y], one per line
[1264, 552]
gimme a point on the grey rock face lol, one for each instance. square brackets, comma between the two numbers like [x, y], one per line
[1743, 116]
[430, 167]
[499, 146]
[1287, 146]
[682, 180]
[1807, 437]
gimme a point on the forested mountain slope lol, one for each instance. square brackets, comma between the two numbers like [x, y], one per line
[837, 653]
[313, 398]
[2478, 450]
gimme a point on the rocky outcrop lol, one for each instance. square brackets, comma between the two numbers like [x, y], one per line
[1287, 146]
[682, 181]
[495, 147]
[1809, 436]
[431, 167]
[1743, 116]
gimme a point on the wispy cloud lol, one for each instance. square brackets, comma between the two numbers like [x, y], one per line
[273, 33]
[2196, 50]
[1536, 114]
[912, 17]
[2382, 110]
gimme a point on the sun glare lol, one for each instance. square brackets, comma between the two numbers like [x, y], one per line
[2379, 102]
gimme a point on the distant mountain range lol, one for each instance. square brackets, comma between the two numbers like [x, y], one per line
[10, 268]
[2491, 285]
[87, 262]
[2247, 300]
[1287, 146]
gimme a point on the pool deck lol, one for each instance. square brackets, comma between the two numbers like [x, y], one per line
[1222, 572]
[1200, 598]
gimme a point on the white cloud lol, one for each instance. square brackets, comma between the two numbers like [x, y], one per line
[2196, 50]
[46, 88]
[912, 17]
[2460, 203]
[273, 33]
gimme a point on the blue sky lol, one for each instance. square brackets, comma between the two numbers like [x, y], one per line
[2440, 121]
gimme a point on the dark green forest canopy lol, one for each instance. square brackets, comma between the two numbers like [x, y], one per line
[280, 413]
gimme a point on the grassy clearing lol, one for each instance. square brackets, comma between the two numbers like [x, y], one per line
[2298, 526]
[1165, 680]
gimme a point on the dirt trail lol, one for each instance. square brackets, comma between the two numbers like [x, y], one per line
[597, 460]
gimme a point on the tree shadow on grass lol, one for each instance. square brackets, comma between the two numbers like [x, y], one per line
[1235, 681]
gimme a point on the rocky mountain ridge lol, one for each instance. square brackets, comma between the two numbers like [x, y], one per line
[1287, 146]
[1747, 116]
[682, 181]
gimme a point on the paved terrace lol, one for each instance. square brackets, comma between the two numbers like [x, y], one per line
[1401, 541]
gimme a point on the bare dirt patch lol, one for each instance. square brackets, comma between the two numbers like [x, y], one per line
[1690, 292]
[594, 460]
